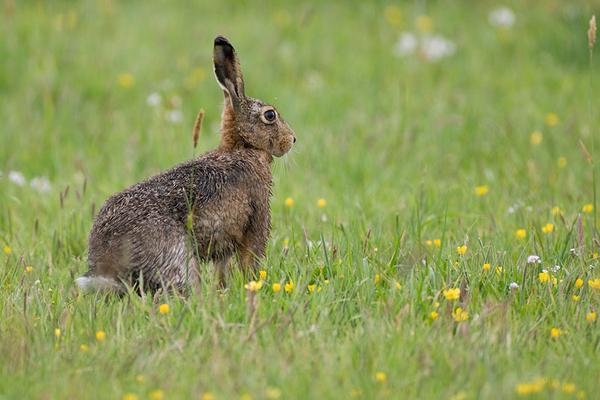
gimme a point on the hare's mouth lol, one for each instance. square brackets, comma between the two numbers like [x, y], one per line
[284, 146]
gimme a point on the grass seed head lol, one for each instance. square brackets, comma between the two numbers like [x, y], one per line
[197, 127]
[592, 32]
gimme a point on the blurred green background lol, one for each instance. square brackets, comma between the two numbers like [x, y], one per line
[457, 120]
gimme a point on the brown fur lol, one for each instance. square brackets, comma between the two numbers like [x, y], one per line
[141, 235]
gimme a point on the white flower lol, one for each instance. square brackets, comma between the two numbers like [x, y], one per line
[533, 259]
[437, 47]
[511, 210]
[16, 177]
[154, 99]
[406, 44]
[314, 81]
[502, 17]
[555, 269]
[174, 116]
[513, 286]
[41, 184]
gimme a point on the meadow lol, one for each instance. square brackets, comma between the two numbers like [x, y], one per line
[435, 228]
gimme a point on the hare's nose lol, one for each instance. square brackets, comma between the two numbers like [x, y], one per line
[294, 139]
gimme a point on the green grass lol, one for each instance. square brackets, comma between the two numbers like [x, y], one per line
[395, 145]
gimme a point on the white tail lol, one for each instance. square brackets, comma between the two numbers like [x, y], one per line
[89, 284]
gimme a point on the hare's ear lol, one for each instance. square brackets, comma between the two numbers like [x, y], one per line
[228, 70]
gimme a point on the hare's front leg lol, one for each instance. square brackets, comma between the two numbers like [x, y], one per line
[254, 245]
[222, 268]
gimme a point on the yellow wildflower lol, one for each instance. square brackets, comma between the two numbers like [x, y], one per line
[594, 283]
[398, 285]
[29, 268]
[544, 276]
[195, 77]
[555, 332]
[164, 309]
[551, 119]
[262, 274]
[272, 393]
[452, 294]
[481, 190]
[499, 270]
[562, 162]
[486, 267]
[380, 377]
[434, 315]
[548, 228]
[591, 316]
[7, 250]
[521, 233]
[587, 208]
[57, 332]
[393, 15]
[321, 203]
[156, 394]
[276, 287]
[289, 202]
[579, 283]
[83, 347]
[130, 396]
[289, 287]
[568, 387]
[424, 23]
[429, 242]
[254, 286]
[100, 336]
[530, 387]
[377, 279]
[246, 396]
[536, 138]
[575, 298]
[437, 242]
[125, 80]
[207, 396]
[461, 250]
[311, 288]
[460, 315]
[555, 210]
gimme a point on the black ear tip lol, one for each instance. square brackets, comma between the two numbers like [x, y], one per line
[222, 41]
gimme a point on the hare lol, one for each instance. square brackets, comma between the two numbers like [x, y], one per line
[157, 232]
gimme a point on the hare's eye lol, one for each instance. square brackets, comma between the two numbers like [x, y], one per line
[270, 115]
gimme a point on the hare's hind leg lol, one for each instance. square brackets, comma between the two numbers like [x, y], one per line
[163, 258]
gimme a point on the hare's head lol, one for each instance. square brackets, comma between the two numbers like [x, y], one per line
[247, 122]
